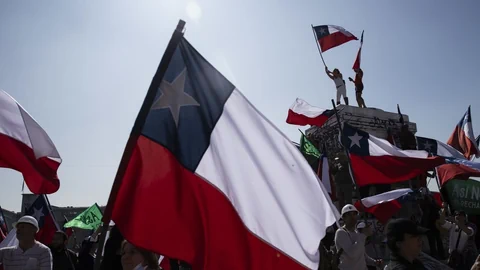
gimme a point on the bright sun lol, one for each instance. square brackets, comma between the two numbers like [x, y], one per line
[194, 11]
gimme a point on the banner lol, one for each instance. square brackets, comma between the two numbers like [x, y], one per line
[89, 219]
[464, 195]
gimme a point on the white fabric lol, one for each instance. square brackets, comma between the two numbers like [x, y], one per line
[300, 106]
[385, 197]
[38, 257]
[326, 175]
[468, 129]
[268, 181]
[445, 150]
[10, 240]
[381, 147]
[453, 236]
[341, 91]
[16, 123]
[335, 28]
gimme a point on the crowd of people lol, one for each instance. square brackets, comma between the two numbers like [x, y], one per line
[344, 248]
[119, 254]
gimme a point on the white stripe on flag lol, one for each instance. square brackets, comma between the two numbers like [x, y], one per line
[264, 187]
[385, 197]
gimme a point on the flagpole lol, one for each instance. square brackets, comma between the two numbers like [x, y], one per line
[348, 157]
[135, 133]
[351, 170]
[50, 209]
[318, 45]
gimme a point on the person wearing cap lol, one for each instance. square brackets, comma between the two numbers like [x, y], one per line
[63, 258]
[350, 244]
[461, 244]
[404, 239]
[28, 254]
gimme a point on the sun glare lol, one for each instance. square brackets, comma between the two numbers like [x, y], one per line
[194, 11]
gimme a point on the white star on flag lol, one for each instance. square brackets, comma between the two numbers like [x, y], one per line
[38, 213]
[355, 140]
[174, 97]
[428, 146]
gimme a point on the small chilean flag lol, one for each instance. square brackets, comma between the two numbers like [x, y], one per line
[383, 206]
[462, 137]
[26, 147]
[331, 36]
[356, 65]
[376, 161]
[301, 113]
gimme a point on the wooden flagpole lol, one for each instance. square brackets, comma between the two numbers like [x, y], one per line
[318, 45]
[136, 130]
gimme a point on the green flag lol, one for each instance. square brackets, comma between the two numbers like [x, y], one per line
[308, 148]
[89, 219]
[464, 195]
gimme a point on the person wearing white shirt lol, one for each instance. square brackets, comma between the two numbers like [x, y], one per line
[459, 233]
[28, 254]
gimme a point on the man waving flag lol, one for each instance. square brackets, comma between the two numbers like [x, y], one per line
[226, 178]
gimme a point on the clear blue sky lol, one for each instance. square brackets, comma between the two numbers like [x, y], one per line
[82, 68]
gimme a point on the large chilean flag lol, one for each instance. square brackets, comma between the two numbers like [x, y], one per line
[26, 147]
[235, 193]
[462, 137]
[376, 161]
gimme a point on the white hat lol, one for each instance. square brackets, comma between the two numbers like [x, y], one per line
[361, 225]
[28, 220]
[348, 208]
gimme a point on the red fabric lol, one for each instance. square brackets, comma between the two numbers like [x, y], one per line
[40, 175]
[438, 198]
[383, 212]
[69, 232]
[462, 143]
[448, 172]
[370, 170]
[197, 224]
[46, 232]
[333, 40]
[165, 264]
[302, 120]
[2, 235]
[356, 65]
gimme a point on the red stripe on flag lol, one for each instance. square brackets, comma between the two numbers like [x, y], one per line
[462, 143]
[356, 65]
[46, 232]
[302, 120]
[186, 217]
[383, 212]
[448, 172]
[334, 40]
[40, 175]
[390, 169]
